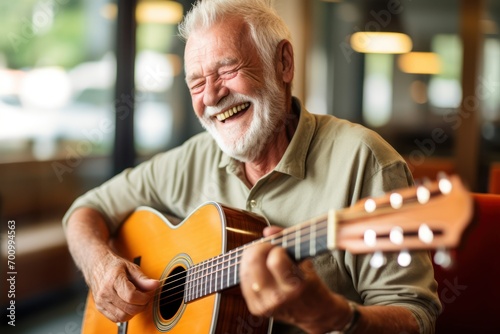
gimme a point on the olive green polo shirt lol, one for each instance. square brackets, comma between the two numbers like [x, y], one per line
[329, 164]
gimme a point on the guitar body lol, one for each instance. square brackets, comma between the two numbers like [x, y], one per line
[197, 260]
[166, 251]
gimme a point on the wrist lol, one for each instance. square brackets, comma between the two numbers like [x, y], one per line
[352, 324]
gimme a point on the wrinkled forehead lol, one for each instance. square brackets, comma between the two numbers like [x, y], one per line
[222, 43]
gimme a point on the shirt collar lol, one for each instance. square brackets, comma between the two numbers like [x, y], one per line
[293, 161]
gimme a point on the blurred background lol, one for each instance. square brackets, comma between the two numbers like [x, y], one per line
[90, 87]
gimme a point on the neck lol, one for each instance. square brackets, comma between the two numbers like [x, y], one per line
[263, 165]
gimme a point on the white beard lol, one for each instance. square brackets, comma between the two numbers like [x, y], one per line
[269, 112]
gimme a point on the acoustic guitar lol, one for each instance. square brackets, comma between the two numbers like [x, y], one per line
[197, 260]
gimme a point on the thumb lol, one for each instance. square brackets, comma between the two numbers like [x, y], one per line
[142, 282]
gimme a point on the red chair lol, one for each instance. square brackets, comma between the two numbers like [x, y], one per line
[470, 290]
[494, 180]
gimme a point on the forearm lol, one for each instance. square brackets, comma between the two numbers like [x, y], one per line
[386, 319]
[371, 319]
[87, 236]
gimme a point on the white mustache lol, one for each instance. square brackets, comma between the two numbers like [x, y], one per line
[225, 103]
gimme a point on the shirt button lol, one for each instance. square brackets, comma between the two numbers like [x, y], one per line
[253, 203]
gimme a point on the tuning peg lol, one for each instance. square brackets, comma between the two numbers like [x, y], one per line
[445, 185]
[404, 258]
[425, 234]
[396, 235]
[378, 260]
[443, 258]
[370, 205]
[423, 194]
[370, 238]
[396, 200]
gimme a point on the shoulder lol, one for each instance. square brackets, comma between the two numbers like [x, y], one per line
[345, 136]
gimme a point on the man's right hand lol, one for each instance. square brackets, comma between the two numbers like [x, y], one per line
[119, 287]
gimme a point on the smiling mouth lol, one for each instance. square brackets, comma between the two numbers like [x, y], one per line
[232, 111]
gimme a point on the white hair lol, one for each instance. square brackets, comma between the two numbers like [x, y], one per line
[267, 28]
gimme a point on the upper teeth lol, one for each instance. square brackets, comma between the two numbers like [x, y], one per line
[230, 112]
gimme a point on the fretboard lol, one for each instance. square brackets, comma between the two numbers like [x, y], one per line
[222, 272]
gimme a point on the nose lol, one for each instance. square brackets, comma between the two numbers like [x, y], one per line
[214, 92]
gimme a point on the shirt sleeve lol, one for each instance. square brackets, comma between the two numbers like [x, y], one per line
[122, 194]
[412, 287]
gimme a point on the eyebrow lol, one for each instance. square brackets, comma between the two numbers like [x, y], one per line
[220, 63]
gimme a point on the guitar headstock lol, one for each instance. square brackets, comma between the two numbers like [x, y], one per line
[428, 216]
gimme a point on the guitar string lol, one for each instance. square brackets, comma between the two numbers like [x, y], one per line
[209, 282]
[289, 232]
[227, 256]
[277, 238]
[345, 214]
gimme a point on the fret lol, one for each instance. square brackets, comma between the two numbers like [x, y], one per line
[305, 242]
[187, 286]
[221, 266]
[297, 244]
[312, 240]
[204, 279]
[197, 285]
[191, 281]
[233, 263]
[213, 275]
[239, 253]
[231, 268]
[216, 273]
[213, 281]
[209, 277]
[192, 294]
[322, 238]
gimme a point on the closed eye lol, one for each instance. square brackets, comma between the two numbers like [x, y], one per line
[226, 75]
[197, 87]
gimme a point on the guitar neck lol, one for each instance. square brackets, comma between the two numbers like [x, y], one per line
[433, 216]
[222, 272]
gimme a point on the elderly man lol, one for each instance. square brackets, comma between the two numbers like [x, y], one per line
[262, 152]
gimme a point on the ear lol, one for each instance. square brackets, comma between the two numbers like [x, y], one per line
[285, 64]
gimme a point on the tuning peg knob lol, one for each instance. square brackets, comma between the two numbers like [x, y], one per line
[445, 185]
[404, 258]
[443, 258]
[378, 260]
[423, 194]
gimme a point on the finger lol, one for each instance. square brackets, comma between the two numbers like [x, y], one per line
[253, 266]
[286, 273]
[255, 279]
[270, 230]
[126, 301]
[112, 308]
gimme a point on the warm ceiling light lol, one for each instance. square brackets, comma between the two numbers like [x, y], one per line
[381, 42]
[420, 63]
[164, 12]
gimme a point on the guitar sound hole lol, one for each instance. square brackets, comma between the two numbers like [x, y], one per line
[172, 293]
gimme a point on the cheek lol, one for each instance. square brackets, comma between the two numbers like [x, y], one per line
[198, 105]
